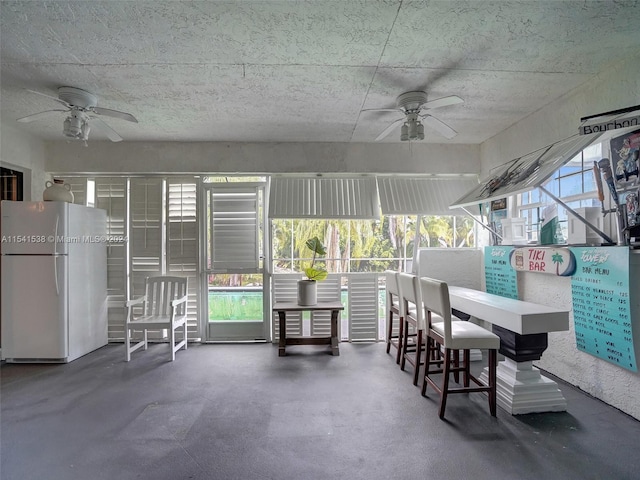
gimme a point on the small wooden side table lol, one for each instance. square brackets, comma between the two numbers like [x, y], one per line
[333, 340]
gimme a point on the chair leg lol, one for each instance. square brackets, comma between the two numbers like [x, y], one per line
[456, 364]
[429, 354]
[405, 342]
[389, 329]
[127, 343]
[446, 367]
[185, 334]
[173, 343]
[416, 370]
[493, 361]
[400, 339]
[466, 358]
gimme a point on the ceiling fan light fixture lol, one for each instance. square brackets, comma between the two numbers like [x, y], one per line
[413, 130]
[85, 130]
[72, 127]
[404, 133]
[420, 131]
[76, 126]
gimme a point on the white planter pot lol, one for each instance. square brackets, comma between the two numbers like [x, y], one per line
[307, 292]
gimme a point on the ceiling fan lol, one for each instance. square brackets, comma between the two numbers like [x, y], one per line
[414, 106]
[80, 106]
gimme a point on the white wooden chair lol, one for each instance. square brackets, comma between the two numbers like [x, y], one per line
[164, 306]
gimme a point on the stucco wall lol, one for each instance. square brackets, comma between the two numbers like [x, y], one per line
[21, 151]
[610, 383]
[615, 88]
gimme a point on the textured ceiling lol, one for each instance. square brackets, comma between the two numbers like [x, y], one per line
[303, 71]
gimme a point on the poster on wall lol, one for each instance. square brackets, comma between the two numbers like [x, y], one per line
[500, 278]
[601, 304]
[625, 162]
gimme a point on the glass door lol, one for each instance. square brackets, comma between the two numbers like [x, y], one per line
[234, 262]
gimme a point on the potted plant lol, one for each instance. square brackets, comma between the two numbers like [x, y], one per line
[307, 288]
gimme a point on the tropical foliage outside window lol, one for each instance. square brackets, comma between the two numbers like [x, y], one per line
[366, 245]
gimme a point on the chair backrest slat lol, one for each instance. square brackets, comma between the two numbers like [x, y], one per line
[161, 291]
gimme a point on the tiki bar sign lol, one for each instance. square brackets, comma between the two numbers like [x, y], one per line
[555, 261]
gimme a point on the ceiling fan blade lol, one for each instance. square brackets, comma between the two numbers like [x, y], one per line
[382, 110]
[389, 129]
[439, 126]
[443, 102]
[110, 132]
[115, 113]
[38, 116]
[49, 96]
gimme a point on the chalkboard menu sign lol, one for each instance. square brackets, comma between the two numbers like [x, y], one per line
[601, 304]
[500, 278]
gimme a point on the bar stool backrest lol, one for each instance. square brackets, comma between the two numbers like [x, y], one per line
[435, 297]
[410, 288]
[393, 288]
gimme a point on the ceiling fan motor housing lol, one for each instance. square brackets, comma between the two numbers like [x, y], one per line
[77, 97]
[411, 101]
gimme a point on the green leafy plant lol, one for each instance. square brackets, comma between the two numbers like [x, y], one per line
[315, 245]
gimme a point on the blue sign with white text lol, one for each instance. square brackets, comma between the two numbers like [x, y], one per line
[500, 278]
[601, 304]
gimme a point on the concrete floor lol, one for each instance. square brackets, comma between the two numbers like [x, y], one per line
[242, 412]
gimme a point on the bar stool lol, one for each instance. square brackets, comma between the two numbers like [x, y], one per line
[414, 325]
[455, 336]
[395, 307]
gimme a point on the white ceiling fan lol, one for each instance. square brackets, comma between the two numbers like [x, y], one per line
[414, 107]
[80, 107]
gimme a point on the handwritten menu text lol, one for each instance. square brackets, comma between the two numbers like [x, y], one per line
[601, 304]
[500, 278]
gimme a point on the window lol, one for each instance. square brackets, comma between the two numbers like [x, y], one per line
[573, 182]
[11, 184]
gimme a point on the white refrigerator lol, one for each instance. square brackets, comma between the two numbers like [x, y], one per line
[54, 281]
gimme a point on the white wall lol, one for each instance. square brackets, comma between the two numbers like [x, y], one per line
[23, 152]
[616, 88]
[230, 158]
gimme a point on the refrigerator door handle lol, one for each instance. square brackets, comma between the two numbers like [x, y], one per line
[55, 273]
[55, 240]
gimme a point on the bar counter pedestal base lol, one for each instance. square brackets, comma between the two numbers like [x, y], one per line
[522, 389]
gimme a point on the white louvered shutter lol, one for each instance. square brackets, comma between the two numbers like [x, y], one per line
[314, 197]
[78, 187]
[422, 196]
[182, 243]
[363, 307]
[111, 196]
[145, 231]
[328, 291]
[234, 229]
[285, 289]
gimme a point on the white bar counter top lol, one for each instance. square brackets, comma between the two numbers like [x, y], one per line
[518, 316]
